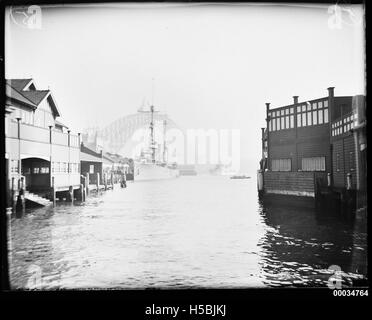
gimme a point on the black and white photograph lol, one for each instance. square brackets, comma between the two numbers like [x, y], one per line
[177, 146]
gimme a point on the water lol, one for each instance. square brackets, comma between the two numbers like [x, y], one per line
[190, 232]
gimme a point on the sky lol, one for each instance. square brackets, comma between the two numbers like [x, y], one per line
[214, 66]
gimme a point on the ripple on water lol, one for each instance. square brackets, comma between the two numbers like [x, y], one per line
[191, 232]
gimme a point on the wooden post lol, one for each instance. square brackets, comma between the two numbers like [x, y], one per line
[20, 204]
[71, 194]
[87, 183]
[12, 193]
[82, 198]
[329, 180]
[348, 181]
[53, 193]
[98, 181]
[105, 180]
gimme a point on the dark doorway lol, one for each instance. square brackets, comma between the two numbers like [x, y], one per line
[37, 174]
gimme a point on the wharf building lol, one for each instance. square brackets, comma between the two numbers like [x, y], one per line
[41, 153]
[315, 147]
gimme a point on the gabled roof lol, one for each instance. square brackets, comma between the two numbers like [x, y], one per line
[15, 90]
[11, 93]
[36, 96]
[18, 84]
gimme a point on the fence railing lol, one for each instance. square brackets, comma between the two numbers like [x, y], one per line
[39, 134]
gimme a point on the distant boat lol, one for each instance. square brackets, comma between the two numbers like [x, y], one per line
[240, 177]
[146, 168]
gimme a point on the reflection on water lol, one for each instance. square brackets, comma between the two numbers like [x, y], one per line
[191, 232]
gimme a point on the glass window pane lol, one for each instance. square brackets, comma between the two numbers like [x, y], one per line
[309, 123]
[282, 123]
[314, 105]
[320, 116]
[308, 106]
[304, 119]
[292, 110]
[299, 109]
[304, 107]
[282, 112]
[299, 120]
[325, 102]
[326, 115]
[287, 111]
[292, 121]
[315, 120]
[320, 104]
[287, 122]
[277, 123]
[274, 125]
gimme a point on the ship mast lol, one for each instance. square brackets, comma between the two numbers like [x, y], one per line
[152, 135]
[164, 143]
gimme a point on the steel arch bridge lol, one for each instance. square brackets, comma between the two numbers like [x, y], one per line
[117, 135]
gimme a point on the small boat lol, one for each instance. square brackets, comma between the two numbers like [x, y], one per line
[240, 177]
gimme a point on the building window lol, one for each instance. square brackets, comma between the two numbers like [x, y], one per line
[299, 120]
[44, 170]
[282, 122]
[315, 119]
[309, 123]
[313, 164]
[274, 125]
[304, 119]
[91, 168]
[281, 164]
[325, 115]
[337, 162]
[291, 121]
[14, 166]
[320, 116]
[36, 170]
[352, 161]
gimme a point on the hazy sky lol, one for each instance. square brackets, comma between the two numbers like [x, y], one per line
[214, 66]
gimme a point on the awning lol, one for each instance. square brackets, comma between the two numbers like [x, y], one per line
[89, 158]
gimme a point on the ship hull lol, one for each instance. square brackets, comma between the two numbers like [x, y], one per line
[150, 171]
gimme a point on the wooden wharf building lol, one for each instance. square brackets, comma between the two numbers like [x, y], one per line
[42, 155]
[315, 148]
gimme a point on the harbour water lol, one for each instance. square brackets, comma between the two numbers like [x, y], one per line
[189, 232]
